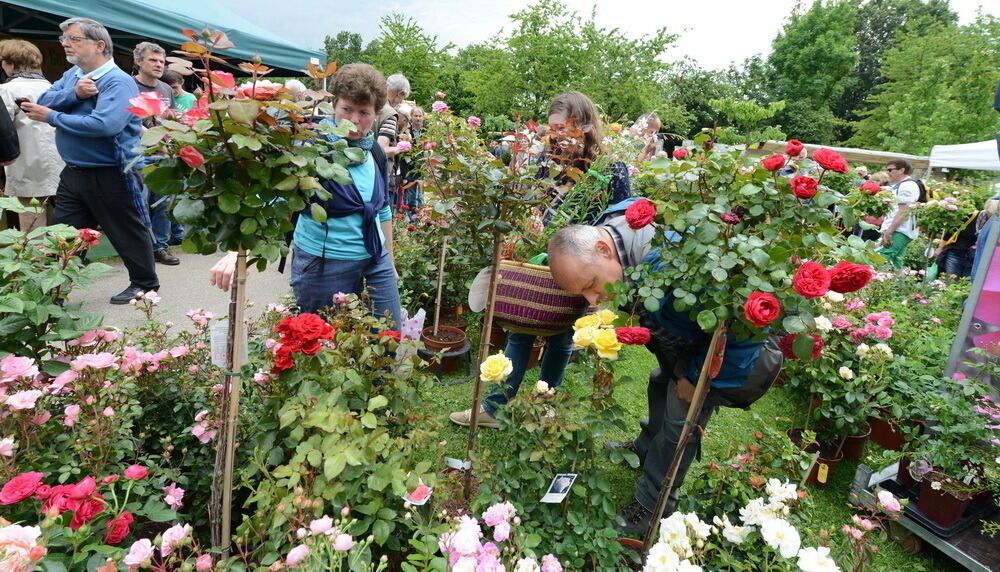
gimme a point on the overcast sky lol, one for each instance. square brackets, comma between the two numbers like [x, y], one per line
[712, 32]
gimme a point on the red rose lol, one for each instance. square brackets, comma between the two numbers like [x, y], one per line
[871, 186]
[109, 479]
[136, 472]
[761, 308]
[118, 528]
[633, 336]
[803, 187]
[640, 213]
[89, 235]
[86, 511]
[811, 280]
[411, 227]
[191, 157]
[830, 159]
[83, 489]
[794, 147]
[786, 342]
[20, 487]
[390, 334]
[59, 498]
[680, 154]
[43, 492]
[847, 277]
[428, 145]
[774, 162]
[283, 359]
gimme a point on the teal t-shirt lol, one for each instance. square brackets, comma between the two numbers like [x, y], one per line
[342, 236]
[185, 102]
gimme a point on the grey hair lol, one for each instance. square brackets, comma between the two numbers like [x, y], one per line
[398, 82]
[92, 30]
[139, 53]
[577, 240]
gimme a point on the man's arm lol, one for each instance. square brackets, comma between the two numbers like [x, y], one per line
[108, 118]
[62, 95]
[386, 135]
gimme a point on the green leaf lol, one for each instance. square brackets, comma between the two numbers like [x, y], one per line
[377, 402]
[707, 320]
[651, 304]
[229, 204]
[803, 346]
[334, 465]
[760, 258]
[153, 135]
[248, 226]
[354, 154]
[11, 304]
[188, 211]
[720, 274]
[244, 111]
[164, 179]
[793, 325]
[246, 141]
[317, 212]
[287, 184]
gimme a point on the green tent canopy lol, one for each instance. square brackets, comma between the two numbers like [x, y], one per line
[133, 21]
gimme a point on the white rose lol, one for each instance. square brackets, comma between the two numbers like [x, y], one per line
[845, 372]
[823, 324]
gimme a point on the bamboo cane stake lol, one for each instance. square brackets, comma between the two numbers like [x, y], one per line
[222, 482]
[484, 352]
[690, 425]
[437, 299]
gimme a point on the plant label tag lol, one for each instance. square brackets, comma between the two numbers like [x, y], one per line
[822, 472]
[456, 464]
[559, 488]
[218, 338]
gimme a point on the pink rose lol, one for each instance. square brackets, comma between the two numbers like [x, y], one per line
[420, 493]
[501, 531]
[439, 107]
[203, 563]
[23, 399]
[440, 95]
[136, 472]
[14, 367]
[20, 487]
[147, 104]
[343, 542]
[297, 555]
[96, 361]
[404, 146]
[173, 496]
[474, 121]
[140, 552]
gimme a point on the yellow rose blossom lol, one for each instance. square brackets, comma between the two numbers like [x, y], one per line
[606, 343]
[607, 317]
[588, 321]
[496, 368]
[583, 338]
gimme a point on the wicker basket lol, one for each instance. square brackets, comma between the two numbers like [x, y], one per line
[529, 301]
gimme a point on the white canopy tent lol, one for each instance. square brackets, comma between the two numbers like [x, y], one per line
[982, 156]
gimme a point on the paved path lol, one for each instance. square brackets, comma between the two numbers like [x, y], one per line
[182, 288]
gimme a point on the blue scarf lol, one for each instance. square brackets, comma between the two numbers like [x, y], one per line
[346, 199]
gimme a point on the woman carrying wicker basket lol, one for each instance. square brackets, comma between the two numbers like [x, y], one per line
[570, 111]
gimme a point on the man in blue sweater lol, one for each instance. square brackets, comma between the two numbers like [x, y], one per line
[585, 259]
[97, 138]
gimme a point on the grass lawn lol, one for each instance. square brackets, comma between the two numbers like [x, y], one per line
[830, 507]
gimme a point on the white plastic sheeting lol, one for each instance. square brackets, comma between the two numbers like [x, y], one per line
[982, 156]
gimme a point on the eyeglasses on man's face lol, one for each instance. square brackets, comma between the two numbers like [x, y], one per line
[890, 169]
[74, 39]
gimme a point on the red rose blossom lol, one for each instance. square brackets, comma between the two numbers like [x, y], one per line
[89, 235]
[83, 489]
[730, 218]
[794, 147]
[831, 160]
[774, 162]
[811, 280]
[191, 157]
[20, 487]
[847, 277]
[85, 511]
[136, 472]
[803, 187]
[640, 213]
[871, 186]
[633, 336]
[785, 344]
[680, 154]
[118, 528]
[428, 145]
[300, 334]
[761, 308]
[390, 334]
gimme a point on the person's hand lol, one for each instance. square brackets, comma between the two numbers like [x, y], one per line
[221, 275]
[86, 88]
[685, 389]
[35, 111]
[887, 239]
[5, 163]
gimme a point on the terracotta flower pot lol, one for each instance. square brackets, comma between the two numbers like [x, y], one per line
[449, 339]
[940, 506]
[854, 445]
[886, 433]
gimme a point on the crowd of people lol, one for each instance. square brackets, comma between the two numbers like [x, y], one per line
[81, 146]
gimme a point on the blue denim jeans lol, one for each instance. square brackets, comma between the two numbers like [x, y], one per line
[315, 280]
[554, 361]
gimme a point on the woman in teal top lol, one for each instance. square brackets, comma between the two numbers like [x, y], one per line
[352, 251]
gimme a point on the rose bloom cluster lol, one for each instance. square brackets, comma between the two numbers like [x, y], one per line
[299, 334]
[811, 280]
[466, 552]
[597, 331]
[683, 536]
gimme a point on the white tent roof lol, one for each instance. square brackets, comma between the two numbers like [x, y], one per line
[981, 156]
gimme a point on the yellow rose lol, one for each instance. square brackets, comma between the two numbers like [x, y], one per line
[588, 321]
[496, 368]
[583, 338]
[607, 344]
[607, 317]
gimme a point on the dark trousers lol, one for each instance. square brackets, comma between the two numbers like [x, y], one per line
[88, 197]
